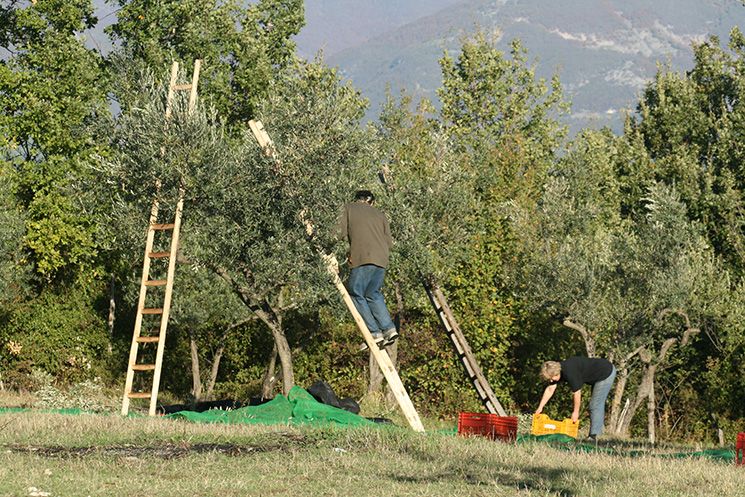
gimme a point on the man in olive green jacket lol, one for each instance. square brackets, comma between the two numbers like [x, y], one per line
[366, 230]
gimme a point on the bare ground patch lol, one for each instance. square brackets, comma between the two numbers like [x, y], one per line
[164, 450]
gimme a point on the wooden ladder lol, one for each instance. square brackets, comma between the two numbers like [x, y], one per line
[462, 349]
[146, 283]
[332, 266]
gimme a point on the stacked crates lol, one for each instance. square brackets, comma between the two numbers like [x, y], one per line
[739, 449]
[543, 425]
[502, 428]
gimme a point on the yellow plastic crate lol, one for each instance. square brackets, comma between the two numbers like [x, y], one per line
[543, 425]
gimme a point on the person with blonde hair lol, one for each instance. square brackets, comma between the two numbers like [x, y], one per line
[576, 372]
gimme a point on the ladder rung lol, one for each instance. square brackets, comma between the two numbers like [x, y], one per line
[144, 367]
[154, 310]
[139, 395]
[162, 227]
[155, 282]
[158, 255]
[148, 339]
[185, 86]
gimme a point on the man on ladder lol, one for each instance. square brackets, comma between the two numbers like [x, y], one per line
[367, 231]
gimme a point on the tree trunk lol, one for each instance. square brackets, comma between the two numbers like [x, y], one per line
[376, 375]
[646, 387]
[392, 350]
[285, 356]
[270, 316]
[651, 404]
[622, 416]
[196, 379]
[215, 369]
[641, 394]
[112, 314]
[618, 390]
[218, 356]
[270, 377]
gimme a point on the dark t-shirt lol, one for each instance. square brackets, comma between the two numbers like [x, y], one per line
[577, 371]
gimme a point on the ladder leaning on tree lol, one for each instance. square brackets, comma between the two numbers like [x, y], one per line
[150, 336]
[332, 266]
[462, 349]
[458, 339]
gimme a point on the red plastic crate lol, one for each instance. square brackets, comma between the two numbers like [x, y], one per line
[487, 425]
[740, 449]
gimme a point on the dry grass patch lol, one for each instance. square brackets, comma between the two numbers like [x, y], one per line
[110, 455]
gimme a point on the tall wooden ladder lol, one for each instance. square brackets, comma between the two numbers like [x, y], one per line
[332, 266]
[462, 349]
[145, 309]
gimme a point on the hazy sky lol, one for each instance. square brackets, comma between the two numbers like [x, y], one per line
[380, 16]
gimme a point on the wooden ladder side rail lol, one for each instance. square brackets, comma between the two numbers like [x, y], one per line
[166, 303]
[380, 355]
[332, 266]
[140, 306]
[465, 354]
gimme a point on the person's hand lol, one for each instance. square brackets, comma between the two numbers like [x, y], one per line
[575, 417]
[539, 410]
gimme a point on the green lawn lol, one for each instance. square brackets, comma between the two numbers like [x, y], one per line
[84, 455]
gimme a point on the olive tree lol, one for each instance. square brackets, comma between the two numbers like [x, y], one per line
[243, 210]
[633, 286]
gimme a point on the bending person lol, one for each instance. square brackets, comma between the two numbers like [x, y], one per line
[576, 372]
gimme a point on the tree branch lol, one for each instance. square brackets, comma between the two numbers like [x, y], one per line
[689, 331]
[635, 352]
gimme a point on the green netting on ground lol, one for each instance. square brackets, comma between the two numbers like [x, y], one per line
[74, 411]
[568, 443]
[298, 408]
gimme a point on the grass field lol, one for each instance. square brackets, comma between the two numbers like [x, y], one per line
[64, 455]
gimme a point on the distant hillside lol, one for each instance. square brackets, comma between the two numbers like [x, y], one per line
[335, 25]
[604, 50]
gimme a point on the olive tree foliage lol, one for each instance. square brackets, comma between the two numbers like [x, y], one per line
[569, 241]
[242, 45]
[51, 88]
[209, 314]
[423, 192]
[634, 286]
[692, 127]
[502, 122]
[244, 211]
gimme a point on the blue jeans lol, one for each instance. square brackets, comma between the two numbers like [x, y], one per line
[600, 391]
[365, 284]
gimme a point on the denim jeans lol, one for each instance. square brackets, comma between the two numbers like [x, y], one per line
[600, 391]
[365, 284]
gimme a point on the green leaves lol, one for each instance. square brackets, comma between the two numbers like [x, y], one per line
[242, 46]
[691, 125]
[50, 90]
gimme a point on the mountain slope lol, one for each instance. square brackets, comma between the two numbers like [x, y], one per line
[604, 50]
[335, 25]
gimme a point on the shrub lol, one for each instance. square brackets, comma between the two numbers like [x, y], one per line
[60, 334]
